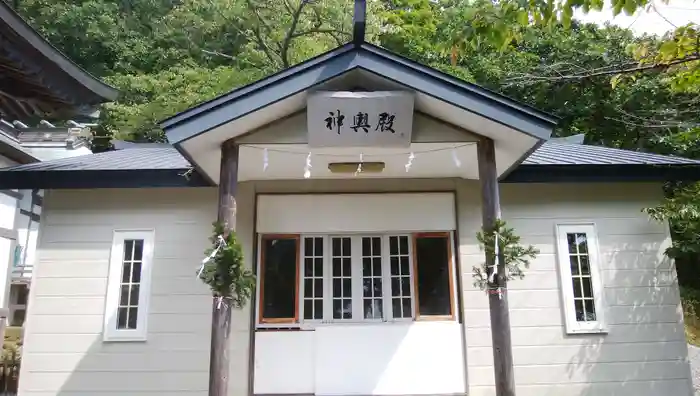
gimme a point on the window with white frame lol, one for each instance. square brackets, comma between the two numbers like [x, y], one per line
[355, 278]
[577, 250]
[128, 286]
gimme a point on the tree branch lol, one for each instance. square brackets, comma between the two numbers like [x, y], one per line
[623, 69]
[284, 51]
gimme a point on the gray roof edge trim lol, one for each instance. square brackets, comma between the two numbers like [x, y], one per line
[220, 115]
[245, 90]
[473, 88]
[515, 165]
[195, 167]
[80, 75]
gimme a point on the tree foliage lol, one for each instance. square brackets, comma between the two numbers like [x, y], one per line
[224, 270]
[503, 243]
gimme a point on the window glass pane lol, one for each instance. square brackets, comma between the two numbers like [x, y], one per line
[279, 277]
[121, 318]
[577, 286]
[574, 265]
[136, 272]
[128, 249]
[581, 277]
[126, 272]
[578, 306]
[433, 276]
[308, 265]
[587, 290]
[372, 279]
[581, 243]
[313, 278]
[341, 278]
[585, 266]
[406, 305]
[400, 277]
[133, 315]
[138, 249]
[308, 309]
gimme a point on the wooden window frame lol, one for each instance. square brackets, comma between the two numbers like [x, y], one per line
[110, 331]
[573, 326]
[357, 278]
[451, 281]
[261, 280]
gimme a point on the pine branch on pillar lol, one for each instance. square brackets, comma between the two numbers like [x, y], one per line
[221, 312]
[498, 302]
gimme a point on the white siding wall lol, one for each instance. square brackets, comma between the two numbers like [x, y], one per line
[64, 353]
[643, 354]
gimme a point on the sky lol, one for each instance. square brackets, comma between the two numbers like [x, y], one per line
[659, 19]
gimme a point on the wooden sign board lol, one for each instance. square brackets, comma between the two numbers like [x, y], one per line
[360, 119]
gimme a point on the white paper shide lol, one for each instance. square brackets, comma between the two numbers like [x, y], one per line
[360, 119]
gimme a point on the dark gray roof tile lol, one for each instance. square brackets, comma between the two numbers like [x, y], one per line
[555, 153]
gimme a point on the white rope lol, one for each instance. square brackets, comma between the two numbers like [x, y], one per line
[359, 165]
[455, 158]
[307, 167]
[377, 155]
[220, 242]
[411, 157]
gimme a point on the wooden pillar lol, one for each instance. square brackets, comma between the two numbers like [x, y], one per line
[221, 312]
[498, 303]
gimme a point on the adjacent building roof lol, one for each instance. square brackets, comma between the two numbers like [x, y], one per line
[38, 80]
[163, 166]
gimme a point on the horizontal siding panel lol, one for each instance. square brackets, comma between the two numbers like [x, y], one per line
[638, 296]
[74, 269]
[518, 317]
[516, 299]
[63, 252]
[66, 343]
[525, 317]
[644, 314]
[134, 218]
[164, 231]
[68, 305]
[604, 226]
[579, 354]
[68, 287]
[631, 260]
[116, 381]
[590, 372]
[196, 304]
[174, 286]
[636, 278]
[536, 336]
[652, 243]
[175, 361]
[67, 324]
[637, 388]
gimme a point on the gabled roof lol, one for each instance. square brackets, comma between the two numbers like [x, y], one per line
[163, 166]
[369, 58]
[38, 79]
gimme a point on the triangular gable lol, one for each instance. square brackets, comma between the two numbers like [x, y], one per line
[323, 68]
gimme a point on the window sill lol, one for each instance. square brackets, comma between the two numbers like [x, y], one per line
[123, 338]
[600, 331]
